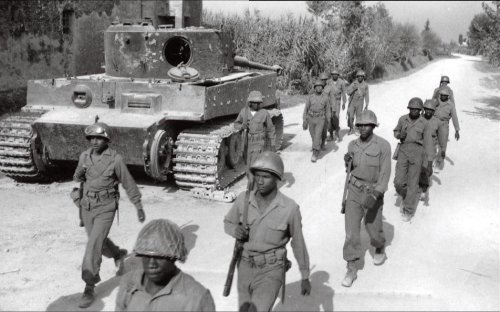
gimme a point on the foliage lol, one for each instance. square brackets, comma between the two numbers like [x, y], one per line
[484, 33]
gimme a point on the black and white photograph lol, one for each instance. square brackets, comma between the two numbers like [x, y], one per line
[203, 155]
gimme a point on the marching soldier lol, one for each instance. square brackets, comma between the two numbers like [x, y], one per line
[314, 117]
[338, 92]
[445, 111]
[160, 285]
[327, 92]
[429, 108]
[273, 219]
[358, 94]
[443, 84]
[258, 123]
[101, 169]
[416, 143]
[370, 173]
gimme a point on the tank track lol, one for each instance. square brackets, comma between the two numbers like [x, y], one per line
[16, 155]
[197, 158]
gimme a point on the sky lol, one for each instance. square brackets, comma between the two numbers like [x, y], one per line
[447, 18]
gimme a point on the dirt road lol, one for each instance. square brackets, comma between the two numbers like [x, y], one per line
[447, 258]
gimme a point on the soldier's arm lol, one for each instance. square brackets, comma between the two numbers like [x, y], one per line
[121, 296]
[270, 130]
[128, 183]
[232, 218]
[397, 130]
[454, 117]
[452, 97]
[385, 168]
[206, 302]
[428, 143]
[298, 243]
[367, 96]
[435, 94]
[79, 175]
[238, 123]
[306, 108]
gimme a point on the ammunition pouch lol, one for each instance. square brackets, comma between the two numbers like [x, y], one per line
[316, 114]
[274, 257]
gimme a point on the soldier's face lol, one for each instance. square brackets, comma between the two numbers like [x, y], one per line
[318, 89]
[360, 78]
[158, 269]
[414, 113]
[335, 77]
[428, 113]
[254, 106]
[443, 97]
[365, 131]
[98, 144]
[266, 182]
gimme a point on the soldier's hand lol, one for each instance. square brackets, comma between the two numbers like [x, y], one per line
[347, 158]
[429, 168]
[457, 135]
[241, 233]
[371, 199]
[305, 287]
[304, 125]
[141, 215]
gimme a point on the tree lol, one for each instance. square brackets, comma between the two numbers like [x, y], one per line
[427, 26]
[460, 39]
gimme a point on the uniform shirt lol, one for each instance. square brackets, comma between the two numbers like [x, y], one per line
[436, 93]
[338, 90]
[361, 93]
[272, 228]
[417, 131]
[446, 111]
[182, 293]
[105, 174]
[317, 103]
[433, 125]
[372, 161]
[259, 123]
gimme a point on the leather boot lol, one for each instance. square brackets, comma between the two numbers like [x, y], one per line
[379, 257]
[330, 137]
[119, 262]
[314, 156]
[351, 275]
[337, 133]
[88, 297]
[323, 148]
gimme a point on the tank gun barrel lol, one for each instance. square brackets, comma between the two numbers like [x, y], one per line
[243, 61]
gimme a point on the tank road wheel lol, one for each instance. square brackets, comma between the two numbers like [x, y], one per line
[234, 150]
[278, 126]
[161, 155]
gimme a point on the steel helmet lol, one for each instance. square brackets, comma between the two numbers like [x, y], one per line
[360, 73]
[318, 82]
[416, 102]
[367, 117]
[269, 162]
[324, 76]
[445, 79]
[335, 72]
[161, 238]
[99, 129]
[255, 96]
[444, 91]
[430, 104]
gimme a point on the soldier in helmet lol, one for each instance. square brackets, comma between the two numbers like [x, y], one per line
[315, 112]
[445, 111]
[370, 173]
[261, 132]
[273, 219]
[101, 169]
[338, 92]
[443, 84]
[429, 108]
[416, 143]
[327, 92]
[160, 285]
[359, 93]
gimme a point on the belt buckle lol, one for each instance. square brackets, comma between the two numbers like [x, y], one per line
[271, 258]
[259, 261]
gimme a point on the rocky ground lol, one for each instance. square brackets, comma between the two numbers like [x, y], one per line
[446, 258]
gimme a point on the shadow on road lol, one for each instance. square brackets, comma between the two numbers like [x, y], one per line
[288, 180]
[484, 66]
[365, 241]
[102, 290]
[320, 299]
[287, 137]
[190, 237]
[491, 111]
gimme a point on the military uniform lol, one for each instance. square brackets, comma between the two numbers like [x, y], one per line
[316, 112]
[444, 112]
[371, 171]
[99, 204]
[437, 91]
[261, 131]
[416, 145]
[261, 271]
[338, 96]
[433, 124]
[359, 93]
[182, 293]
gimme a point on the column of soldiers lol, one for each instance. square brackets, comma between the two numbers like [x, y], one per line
[263, 219]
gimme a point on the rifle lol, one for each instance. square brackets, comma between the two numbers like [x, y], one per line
[346, 184]
[244, 135]
[396, 152]
[77, 195]
[238, 244]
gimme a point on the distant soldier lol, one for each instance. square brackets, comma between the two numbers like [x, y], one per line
[273, 219]
[327, 92]
[315, 111]
[445, 111]
[258, 123]
[443, 84]
[429, 108]
[338, 92]
[101, 169]
[160, 285]
[359, 93]
[416, 143]
[370, 173]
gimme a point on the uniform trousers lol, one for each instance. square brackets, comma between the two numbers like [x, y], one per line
[406, 180]
[98, 220]
[259, 286]
[443, 133]
[354, 109]
[354, 213]
[316, 127]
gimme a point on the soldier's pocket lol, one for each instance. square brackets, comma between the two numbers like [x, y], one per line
[372, 158]
[275, 231]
